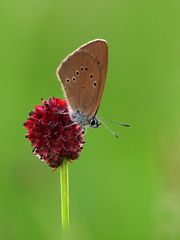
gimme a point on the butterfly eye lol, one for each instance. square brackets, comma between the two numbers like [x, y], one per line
[67, 80]
[82, 68]
[91, 76]
[94, 123]
[86, 68]
[77, 73]
[74, 79]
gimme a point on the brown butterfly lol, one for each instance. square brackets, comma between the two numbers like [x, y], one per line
[82, 75]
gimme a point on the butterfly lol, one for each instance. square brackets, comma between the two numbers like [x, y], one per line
[82, 75]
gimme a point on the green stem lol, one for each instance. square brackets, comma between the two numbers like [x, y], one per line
[64, 183]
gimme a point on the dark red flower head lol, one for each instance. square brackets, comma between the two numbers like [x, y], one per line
[52, 133]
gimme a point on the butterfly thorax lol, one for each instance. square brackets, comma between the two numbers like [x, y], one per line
[84, 121]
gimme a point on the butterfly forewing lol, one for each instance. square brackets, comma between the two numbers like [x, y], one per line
[83, 75]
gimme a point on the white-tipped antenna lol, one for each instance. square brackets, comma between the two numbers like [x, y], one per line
[115, 122]
[109, 129]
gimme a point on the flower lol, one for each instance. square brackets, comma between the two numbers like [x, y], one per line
[52, 133]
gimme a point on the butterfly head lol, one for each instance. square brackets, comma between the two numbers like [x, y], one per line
[94, 123]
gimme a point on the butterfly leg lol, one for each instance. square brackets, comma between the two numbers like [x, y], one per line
[82, 131]
[70, 125]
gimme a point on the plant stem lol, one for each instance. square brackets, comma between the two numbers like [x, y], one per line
[64, 183]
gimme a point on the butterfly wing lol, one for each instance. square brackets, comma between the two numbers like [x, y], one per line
[82, 75]
[99, 49]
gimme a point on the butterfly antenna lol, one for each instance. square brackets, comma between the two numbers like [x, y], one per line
[109, 129]
[116, 122]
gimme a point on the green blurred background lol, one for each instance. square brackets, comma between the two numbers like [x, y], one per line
[119, 189]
